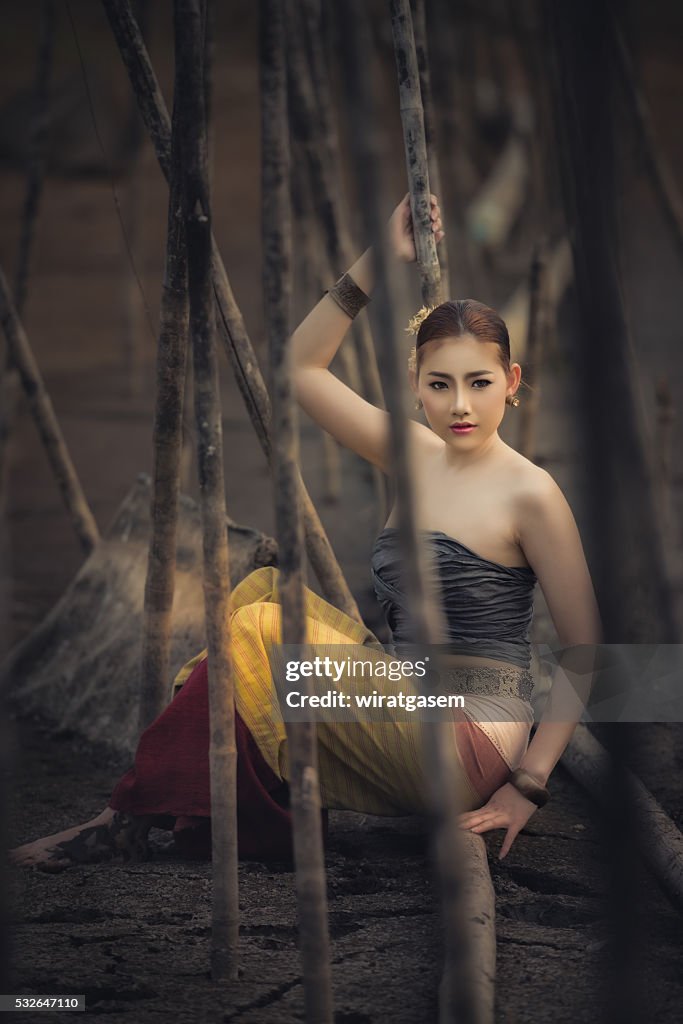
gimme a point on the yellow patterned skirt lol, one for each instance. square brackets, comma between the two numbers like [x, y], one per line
[374, 767]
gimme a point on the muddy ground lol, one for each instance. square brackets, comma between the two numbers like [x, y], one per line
[134, 938]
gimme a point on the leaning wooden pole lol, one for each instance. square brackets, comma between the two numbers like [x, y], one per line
[230, 322]
[303, 756]
[458, 997]
[222, 749]
[167, 439]
[44, 415]
[412, 118]
[660, 841]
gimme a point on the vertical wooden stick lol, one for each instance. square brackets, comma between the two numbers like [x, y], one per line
[230, 322]
[532, 358]
[167, 451]
[422, 54]
[222, 750]
[428, 628]
[43, 413]
[412, 118]
[303, 754]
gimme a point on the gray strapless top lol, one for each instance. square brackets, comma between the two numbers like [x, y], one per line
[488, 606]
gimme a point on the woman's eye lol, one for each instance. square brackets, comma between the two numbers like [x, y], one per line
[482, 380]
[434, 385]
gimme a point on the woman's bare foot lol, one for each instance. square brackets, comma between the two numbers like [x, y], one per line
[112, 833]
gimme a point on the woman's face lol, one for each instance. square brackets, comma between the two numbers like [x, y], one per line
[462, 381]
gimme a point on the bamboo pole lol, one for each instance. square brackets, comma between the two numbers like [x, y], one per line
[222, 749]
[422, 54]
[459, 1000]
[48, 428]
[412, 119]
[303, 755]
[533, 357]
[172, 357]
[663, 177]
[230, 322]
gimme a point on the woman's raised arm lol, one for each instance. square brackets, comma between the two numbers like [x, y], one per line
[355, 423]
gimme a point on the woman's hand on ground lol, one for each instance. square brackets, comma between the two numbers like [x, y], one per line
[401, 237]
[507, 809]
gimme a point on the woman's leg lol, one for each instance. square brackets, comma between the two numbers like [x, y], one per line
[172, 757]
[118, 832]
[112, 833]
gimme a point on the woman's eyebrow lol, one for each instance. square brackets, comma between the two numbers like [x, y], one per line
[474, 373]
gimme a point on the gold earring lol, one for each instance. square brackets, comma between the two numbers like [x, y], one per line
[418, 404]
[512, 400]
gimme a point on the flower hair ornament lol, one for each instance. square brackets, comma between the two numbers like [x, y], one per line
[415, 322]
[413, 327]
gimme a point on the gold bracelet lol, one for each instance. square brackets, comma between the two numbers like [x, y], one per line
[348, 296]
[529, 787]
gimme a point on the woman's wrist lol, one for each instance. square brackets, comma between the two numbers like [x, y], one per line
[536, 771]
[529, 786]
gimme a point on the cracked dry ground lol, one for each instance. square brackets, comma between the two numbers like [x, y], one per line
[135, 938]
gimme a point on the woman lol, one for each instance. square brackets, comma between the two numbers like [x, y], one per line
[496, 524]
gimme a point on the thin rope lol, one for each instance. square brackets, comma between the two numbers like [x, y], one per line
[112, 180]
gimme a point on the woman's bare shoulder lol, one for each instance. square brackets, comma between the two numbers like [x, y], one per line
[531, 486]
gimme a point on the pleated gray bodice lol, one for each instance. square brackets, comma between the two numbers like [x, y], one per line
[488, 606]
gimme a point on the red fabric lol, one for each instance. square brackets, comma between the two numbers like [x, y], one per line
[170, 779]
[485, 768]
